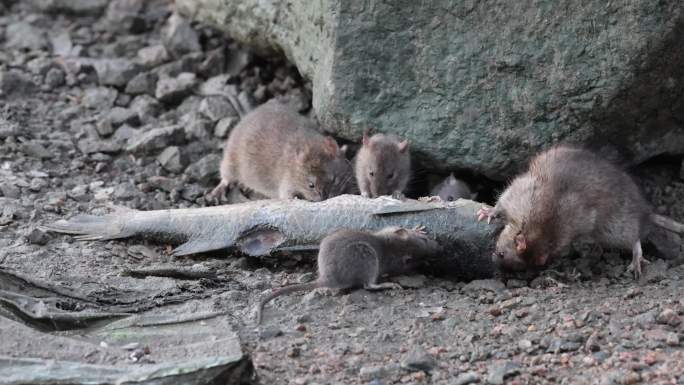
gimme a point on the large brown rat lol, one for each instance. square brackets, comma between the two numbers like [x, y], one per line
[352, 259]
[567, 194]
[451, 189]
[278, 153]
[383, 165]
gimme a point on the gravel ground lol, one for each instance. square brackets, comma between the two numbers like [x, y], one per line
[129, 103]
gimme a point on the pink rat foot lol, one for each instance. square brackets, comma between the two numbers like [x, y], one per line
[486, 212]
[637, 261]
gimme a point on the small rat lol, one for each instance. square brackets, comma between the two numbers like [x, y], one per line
[570, 193]
[451, 189]
[278, 153]
[351, 259]
[383, 165]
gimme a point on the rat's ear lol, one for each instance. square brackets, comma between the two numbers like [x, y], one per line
[520, 243]
[402, 233]
[451, 180]
[343, 150]
[403, 145]
[366, 140]
[330, 146]
[540, 260]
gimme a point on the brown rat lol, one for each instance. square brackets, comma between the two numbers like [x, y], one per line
[383, 165]
[451, 189]
[567, 194]
[278, 153]
[351, 259]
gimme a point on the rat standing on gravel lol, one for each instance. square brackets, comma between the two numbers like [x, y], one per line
[278, 153]
[383, 165]
[451, 189]
[567, 194]
[351, 259]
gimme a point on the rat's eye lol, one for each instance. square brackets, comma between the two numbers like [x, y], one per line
[390, 176]
[312, 185]
[372, 173]
[450, 199]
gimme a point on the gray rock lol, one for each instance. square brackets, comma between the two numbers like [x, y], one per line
[411, 281]
[173, 90]
[76, 7]
[104, 128]
[79, 193]
[118, 116]
[125, 15]
[38, 237]
[37, 184]
[61, 44]
[179, 37]
[375, 372]
[125, 190]
[469, 95]
[35, 150]
[153, 56]
[9, 190]
[55, 77]
[270, 332]
[668, 317]
[223, 127]
[156, 139]
[187, 63]
[218, 85]
[191, 192]
[204, 170]
[466, 378]
[15, 83]
[142, 83]
[171, 159]
[418, 359]
[147, 107]
[216, 108]
[492, 285]
[115, 72]
[22, 35]
[214, 63]
[99, 97]
[196, 126]
[91, 146]
[40, 65]
[162, 183]
[498, 372]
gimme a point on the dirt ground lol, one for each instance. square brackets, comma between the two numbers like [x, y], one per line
[129, 105]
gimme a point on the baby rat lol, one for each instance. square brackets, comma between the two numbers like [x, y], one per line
[451, 189]
[278, 153]
[383, 165]
[567, 194]
[351, 259]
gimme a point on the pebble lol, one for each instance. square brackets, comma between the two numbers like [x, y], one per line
[79, 193]
[38, 237]
[22, 35]
[270, 332]
[216, 108]
[174, 90]
[499, 371]
[411, 281]
[204, 170]
[115, 72]
[492, 285]
[196, 126]
[125, 16]
[668, 317]
[125, 190]
[152, 56]
[37, 184]
[90, 146]
[156, 139]
[224, 126]
[36, 150]
[179, 37]
[376, 372]
[15, 83]
[172, 160]
[77, 7]
[99, 97]
[147, 107]
[162, 183]
[118, 116]
[466, 378]
[143, 83]
[54, 78]
[418, 359]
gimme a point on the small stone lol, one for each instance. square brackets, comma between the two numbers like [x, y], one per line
[22, 35]
[125, 191]
[119, 116]
[9, 190]
[672, 339]
[492, 285]
[216, 108]
[173, 90]
[79, 193]
[524, 344]
[99, 97]
[55, 78]
[38, 237]
[37, 184]
[304, 318]
[270, 332]
[410, 281]
[196, 126]
[35, 150]
[668, 317]
[156, 139]
[204, 170]
[172, 160]
[115, 72]
[90, 146]
[147, 107]
[15, 83]
[152, 56]
[191, 192]
[61, 44]
[187, 63]
[104, 128]
[293, 352]
[498, 372]
[179, 37]
[162, 183]
[75, 7]
[466, 378]
[224, 126]
[143, 83]
[375, 372]
[418, 359]
[125, 15]
[123, 100]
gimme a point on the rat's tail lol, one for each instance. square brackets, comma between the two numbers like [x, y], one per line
[281, 291]
[667, 223]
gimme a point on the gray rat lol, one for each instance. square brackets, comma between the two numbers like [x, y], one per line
[383, 165]
[352, 259]
[451, 189]
[278, 153]
[567, 194]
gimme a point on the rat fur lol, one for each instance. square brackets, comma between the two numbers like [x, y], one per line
[451, 189]
[383, 165]
[351, 259]
[278, 153]
[570, 193]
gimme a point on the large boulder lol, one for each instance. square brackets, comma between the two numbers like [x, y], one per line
[481, 85]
